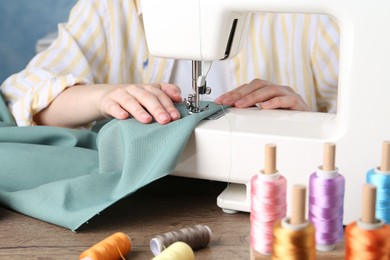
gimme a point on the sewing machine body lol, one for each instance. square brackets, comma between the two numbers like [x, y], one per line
[231, 148]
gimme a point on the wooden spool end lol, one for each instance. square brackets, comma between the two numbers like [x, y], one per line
[368, 206]
[270, 159]
[385, 164]
[329, 157]
[298, 205]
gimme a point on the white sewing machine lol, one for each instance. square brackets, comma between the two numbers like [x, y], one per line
[231, 148]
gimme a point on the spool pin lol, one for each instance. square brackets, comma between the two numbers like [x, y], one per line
[329, 157]
[385, 164]
[270, 159]
[269, 173]
[368, 206]
[298, 205]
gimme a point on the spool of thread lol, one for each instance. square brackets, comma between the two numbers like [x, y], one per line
[380, 177]
[114, 247]
[294, 238]
[326, 201]
[367, 238]
[196, 237]
[177, 251]
[268, 203]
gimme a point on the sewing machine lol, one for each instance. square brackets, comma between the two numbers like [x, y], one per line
[231, 148]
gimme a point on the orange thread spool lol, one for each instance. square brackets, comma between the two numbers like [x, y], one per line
[368, 237]
[294, 238]
[294, 244]
[367, 244]
[113, 247]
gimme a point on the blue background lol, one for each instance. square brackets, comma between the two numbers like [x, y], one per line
[22, 23]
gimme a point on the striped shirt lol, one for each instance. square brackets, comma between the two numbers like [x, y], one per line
[104, 42]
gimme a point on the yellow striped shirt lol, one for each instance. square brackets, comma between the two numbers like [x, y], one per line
[104, 42]
[297, 50]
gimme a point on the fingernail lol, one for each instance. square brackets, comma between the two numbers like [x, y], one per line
[227, 101]
[265, 104]
[175, 115]
[239, 102]
[163, 118]
[145, 116]
[123, 114]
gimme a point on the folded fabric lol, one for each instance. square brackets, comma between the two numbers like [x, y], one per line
[66, 176]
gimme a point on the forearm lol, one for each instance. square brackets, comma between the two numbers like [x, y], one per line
[74, 107]
[82, 104]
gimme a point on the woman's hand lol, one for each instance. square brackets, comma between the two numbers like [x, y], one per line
[142, 101]
[82, 104]
[263, 94]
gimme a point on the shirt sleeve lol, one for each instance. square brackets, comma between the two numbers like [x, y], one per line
[77, 56]
[325, 60]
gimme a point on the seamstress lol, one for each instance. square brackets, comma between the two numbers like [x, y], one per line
[99, 67]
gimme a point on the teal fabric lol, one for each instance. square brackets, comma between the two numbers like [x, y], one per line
[66, 176]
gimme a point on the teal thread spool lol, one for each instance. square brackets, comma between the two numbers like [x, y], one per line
[380, 177]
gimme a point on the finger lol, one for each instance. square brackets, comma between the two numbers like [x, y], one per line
[115, 110]
[173, 91]
[242, 91]
[166, 102]
[126, 105]
[293, 102]
[229, 98]
[146, 96]
[263, 94]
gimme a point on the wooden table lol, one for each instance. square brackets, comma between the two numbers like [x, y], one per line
[165, 205]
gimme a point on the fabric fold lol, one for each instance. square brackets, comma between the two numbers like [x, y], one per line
[66, 177]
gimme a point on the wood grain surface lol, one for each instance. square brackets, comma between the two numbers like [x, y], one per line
[168, 204]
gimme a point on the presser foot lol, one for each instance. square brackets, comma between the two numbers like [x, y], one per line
[192, 107]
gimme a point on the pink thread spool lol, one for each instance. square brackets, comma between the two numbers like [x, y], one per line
[268, 204]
